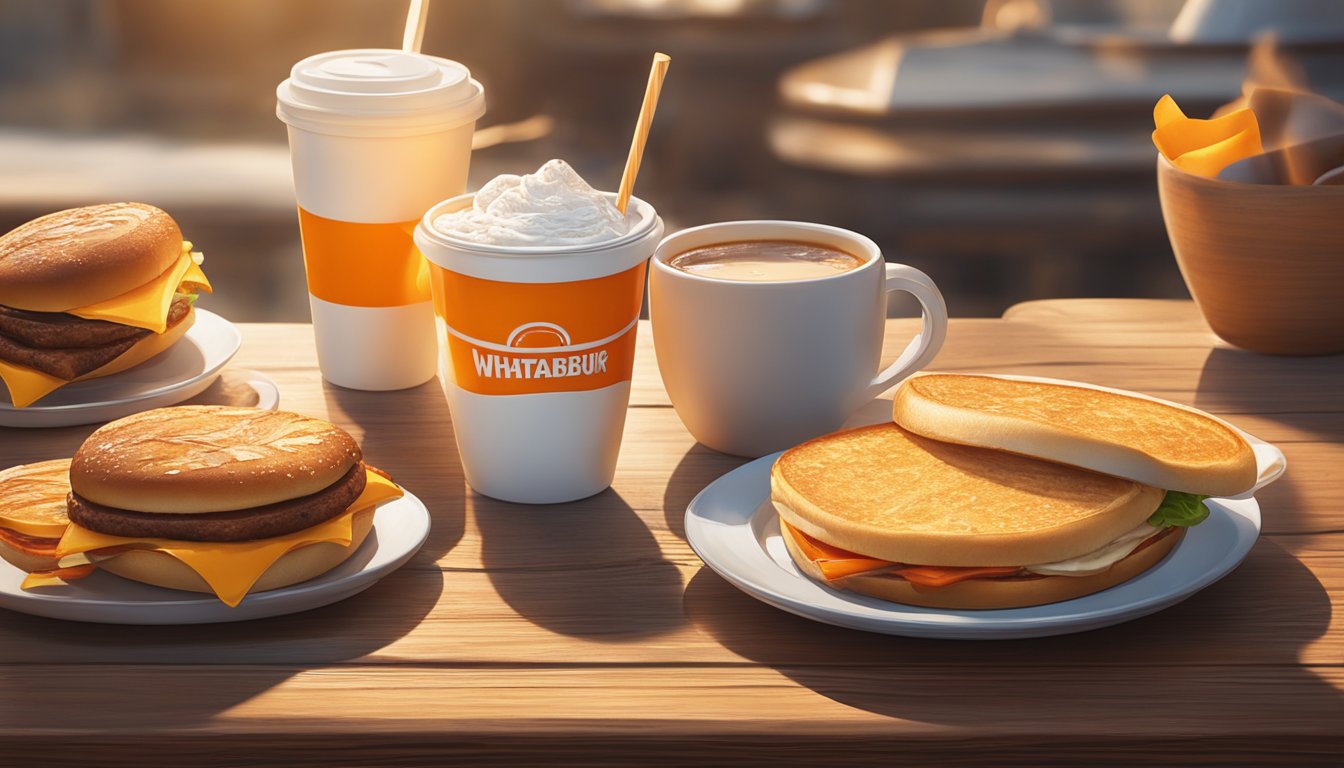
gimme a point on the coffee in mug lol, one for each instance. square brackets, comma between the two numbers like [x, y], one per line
[765, 260]
[775, 349]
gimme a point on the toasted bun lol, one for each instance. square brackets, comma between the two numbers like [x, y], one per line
[209, 458]
[164, 570]
[32, 502]
[34, 494]
[1164, 445]
[82, 256]
[891, 494]
[981, 594]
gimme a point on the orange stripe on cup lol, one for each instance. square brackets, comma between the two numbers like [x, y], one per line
[530, 338]
[363, 265]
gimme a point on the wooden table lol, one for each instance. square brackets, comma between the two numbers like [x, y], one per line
[591, 634]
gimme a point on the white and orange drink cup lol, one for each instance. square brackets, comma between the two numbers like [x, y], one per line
[376, 137]
[537, 331]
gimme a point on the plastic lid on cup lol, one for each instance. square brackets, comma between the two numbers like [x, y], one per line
[378, 92]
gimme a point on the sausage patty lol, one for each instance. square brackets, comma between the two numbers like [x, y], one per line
[68, 349]
[239, 525]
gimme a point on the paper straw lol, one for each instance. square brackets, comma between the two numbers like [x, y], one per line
[661, 61]
[415, 26]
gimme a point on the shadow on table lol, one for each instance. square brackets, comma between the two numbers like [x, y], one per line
[135, 663]
[698, 467]
[589, 569]
[409, 434]
[231, 388]
[1234, 645]
[1234, 380]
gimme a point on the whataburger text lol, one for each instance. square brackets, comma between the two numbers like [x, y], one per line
[493, 365]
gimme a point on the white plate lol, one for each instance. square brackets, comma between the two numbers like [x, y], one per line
[733, 527]
[184, 370]
[399, 529]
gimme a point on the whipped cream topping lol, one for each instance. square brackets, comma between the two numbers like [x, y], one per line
[552, 207]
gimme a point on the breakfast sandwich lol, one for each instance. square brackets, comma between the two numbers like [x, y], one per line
[998, 493]
[218, 499]
[89, 292]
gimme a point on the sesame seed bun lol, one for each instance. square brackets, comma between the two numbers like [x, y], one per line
[207, 458]
[82, 256]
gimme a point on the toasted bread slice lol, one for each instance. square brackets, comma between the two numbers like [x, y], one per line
[890, 494]
[1160, 444]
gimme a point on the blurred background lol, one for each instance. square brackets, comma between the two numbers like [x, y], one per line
[1003, 146]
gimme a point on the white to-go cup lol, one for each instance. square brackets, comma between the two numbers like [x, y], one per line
[376, 138]
[756, 367]
[537, 347]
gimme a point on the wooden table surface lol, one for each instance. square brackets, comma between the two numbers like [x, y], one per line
[590, 633]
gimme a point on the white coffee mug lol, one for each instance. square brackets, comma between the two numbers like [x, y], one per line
[756, 367]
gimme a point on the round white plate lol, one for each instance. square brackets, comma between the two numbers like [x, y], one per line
[734, 528]
[399, 529]
[184, 370]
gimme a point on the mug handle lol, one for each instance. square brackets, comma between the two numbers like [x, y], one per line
[922, 348]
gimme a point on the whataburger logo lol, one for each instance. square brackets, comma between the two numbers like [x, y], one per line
[540, 350]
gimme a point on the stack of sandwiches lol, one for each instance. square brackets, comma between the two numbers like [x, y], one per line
[991, 492]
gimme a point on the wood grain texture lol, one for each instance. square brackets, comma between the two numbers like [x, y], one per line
[659, 607]
[1147, 312]
[673, 716]
[590, 634]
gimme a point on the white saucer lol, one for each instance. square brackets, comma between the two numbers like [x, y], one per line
[733, 527]
[399, 529]
[239, 387]
[182, 371]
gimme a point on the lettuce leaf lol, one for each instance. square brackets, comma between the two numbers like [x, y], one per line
[1179, 510]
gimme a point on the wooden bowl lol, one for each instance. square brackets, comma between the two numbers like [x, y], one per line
[1265, 263]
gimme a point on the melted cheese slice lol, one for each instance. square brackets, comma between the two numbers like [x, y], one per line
[231, 568]
[56, 577]
[27, 385]
[147, 306]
